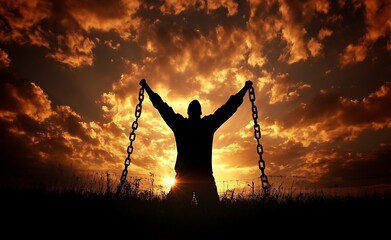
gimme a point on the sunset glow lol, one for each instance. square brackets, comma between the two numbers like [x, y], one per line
[169, 182]
[70, 73]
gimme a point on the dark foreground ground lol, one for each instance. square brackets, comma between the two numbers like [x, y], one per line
[58, 215]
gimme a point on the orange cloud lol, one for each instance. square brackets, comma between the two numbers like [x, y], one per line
[322, 6]
[314, 47]
[322, 165]
[22, 19]
[176, 7]
[329, 118]
[378, 25]
[368, 111]
[111, 44]
[293, 33]
[289, 25]
[346, 169]
[4, 60]
[323, 33]
[26, 99]
[54, 138]
[118, 16]
[378, 21]
[353, 54]
[261, 14]
[24, 26]
[283, 88]
[74, 50]
[230, 5]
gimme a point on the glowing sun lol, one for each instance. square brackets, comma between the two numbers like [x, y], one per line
[169, 182]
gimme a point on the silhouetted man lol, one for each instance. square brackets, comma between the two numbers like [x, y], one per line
[194, 141]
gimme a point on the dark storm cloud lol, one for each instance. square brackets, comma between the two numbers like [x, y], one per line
[20, 22]
[369, 110]
[73, 124]
[350, 169]
[332, 119]
[25, 143]
[340, 117]
[63, 27]
[44, 144]
[118, 16]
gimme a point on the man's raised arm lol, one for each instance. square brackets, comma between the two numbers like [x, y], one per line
[154, 97]
[246, 87]
[145, 85]
[156, 100]
[229, 108]
[165, 111]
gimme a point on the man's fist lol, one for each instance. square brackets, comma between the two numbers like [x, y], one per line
[143, 83]
[248, 84]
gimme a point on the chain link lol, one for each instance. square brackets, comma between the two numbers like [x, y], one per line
[132, 138]
[257, 135]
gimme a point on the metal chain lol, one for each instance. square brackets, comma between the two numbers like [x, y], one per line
[257, 135]
[132, 138]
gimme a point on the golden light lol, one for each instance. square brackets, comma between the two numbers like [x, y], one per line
[169, 182]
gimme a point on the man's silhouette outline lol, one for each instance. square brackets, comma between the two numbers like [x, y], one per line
[194, 141]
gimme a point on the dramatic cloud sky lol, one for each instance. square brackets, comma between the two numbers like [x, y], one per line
[70, 73]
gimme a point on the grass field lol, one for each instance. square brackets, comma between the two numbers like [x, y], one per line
[40, 212]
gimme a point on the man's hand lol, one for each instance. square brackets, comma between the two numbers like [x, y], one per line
[143, 83]
[248, 84]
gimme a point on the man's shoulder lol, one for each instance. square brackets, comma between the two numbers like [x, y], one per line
[207, 118]
[179, 116]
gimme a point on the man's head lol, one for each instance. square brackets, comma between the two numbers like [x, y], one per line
[194, 109]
